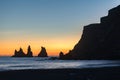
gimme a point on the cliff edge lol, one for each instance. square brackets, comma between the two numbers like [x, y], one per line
[100, 40]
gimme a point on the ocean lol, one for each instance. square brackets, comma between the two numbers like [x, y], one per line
[12, 63]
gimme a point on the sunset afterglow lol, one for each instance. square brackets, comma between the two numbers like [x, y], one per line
[54, 24]
[53, 46]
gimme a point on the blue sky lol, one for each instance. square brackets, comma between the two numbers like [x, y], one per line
[51, 16]
[49, 19]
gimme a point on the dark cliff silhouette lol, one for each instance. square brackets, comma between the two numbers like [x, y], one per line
[43, 52]
[20, 53]
[99, 41]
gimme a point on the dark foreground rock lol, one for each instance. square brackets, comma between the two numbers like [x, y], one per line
[43, 52]
[112, 73]
[99, 41]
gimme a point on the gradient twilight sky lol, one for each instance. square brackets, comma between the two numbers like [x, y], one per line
[54, 24]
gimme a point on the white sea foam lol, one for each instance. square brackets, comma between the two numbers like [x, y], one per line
[10, 63]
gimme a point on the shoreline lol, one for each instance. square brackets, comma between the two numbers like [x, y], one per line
[106, 73]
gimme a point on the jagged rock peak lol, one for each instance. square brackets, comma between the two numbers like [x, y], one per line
[19, 53]
[43, 52]
[29, 52]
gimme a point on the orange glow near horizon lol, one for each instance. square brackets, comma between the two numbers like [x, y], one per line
[53, 46]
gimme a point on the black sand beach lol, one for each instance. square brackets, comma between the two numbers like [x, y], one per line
[110, 73]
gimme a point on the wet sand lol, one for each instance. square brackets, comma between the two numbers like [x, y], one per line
[111, 73]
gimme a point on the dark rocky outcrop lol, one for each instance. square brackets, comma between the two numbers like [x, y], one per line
[61, 55]
[20, 53]
[99, 41]
[29, 52]
[43, 52]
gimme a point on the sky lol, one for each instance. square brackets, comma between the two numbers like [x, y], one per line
[54, 24]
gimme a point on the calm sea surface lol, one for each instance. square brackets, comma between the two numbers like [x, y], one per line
[10, 63]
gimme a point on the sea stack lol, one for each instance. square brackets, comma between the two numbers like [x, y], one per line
[100, 40]
[19, 53]
[29, 52]
[61, 55]
[43, 52]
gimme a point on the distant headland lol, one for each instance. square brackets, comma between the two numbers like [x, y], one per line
[100, 40]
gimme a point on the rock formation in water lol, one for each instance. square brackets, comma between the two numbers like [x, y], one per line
[43, 52]
[61, 55]
[19, 53]
[29, 52]
[99, 41]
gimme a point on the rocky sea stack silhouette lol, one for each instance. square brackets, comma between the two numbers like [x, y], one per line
[100, 40]
[20, 53]
[43, 52]
[29, 52]
[61, 54]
